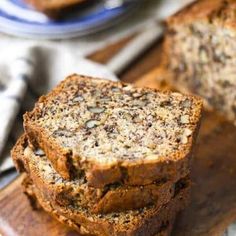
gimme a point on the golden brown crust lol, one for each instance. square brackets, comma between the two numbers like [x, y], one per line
[206, 10]
[220, 11]
[60, 158]
[173, 167]
[140, 174]
[18, 155]
[54, 8]
[114, 199]
[201, 9]
[147, 222]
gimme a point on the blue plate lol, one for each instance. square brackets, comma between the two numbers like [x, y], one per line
[19, 19]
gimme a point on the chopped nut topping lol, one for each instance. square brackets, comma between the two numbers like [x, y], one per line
[187, 132]
[140, 103]
[137, 119]
[78, 99]
[39, 152]
[91, 124]
[96, 110]
[96, 93]
[105, 99]
[184, 139]
[151, 145]
[184, 119]
[115, 89]
[127, 87]
[203, 56]
[186, 103]
[137, 95]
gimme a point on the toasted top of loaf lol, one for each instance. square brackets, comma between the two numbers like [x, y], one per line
[107, 122]
[221, 11]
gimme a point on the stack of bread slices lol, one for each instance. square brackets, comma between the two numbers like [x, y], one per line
[108, 158]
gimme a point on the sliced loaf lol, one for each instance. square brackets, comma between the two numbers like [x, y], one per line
[112, 198]
[199, 53]
[114, 132]
[142, 222]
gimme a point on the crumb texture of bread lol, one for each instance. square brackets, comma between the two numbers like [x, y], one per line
[113, 198]
[199, 53]
[94, 125]
[145, 221]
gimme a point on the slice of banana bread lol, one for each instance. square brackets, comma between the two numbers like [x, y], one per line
[199, 53]
[54, 7]
[112, 198]
[145, 221]
[29, 191]
[114, 132]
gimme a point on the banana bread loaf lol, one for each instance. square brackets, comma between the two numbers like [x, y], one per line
[142, 222]
[199, 53]
[113, 132]
[112, 198]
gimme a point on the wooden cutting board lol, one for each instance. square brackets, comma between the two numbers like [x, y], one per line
[213, 205]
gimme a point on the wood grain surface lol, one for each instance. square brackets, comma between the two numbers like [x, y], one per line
[213, 205]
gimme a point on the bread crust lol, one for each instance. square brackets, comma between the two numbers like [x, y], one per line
[98, 175]
[152, 220]
[205, 10]
[54, 8]
[201, 9]
[110, 199]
